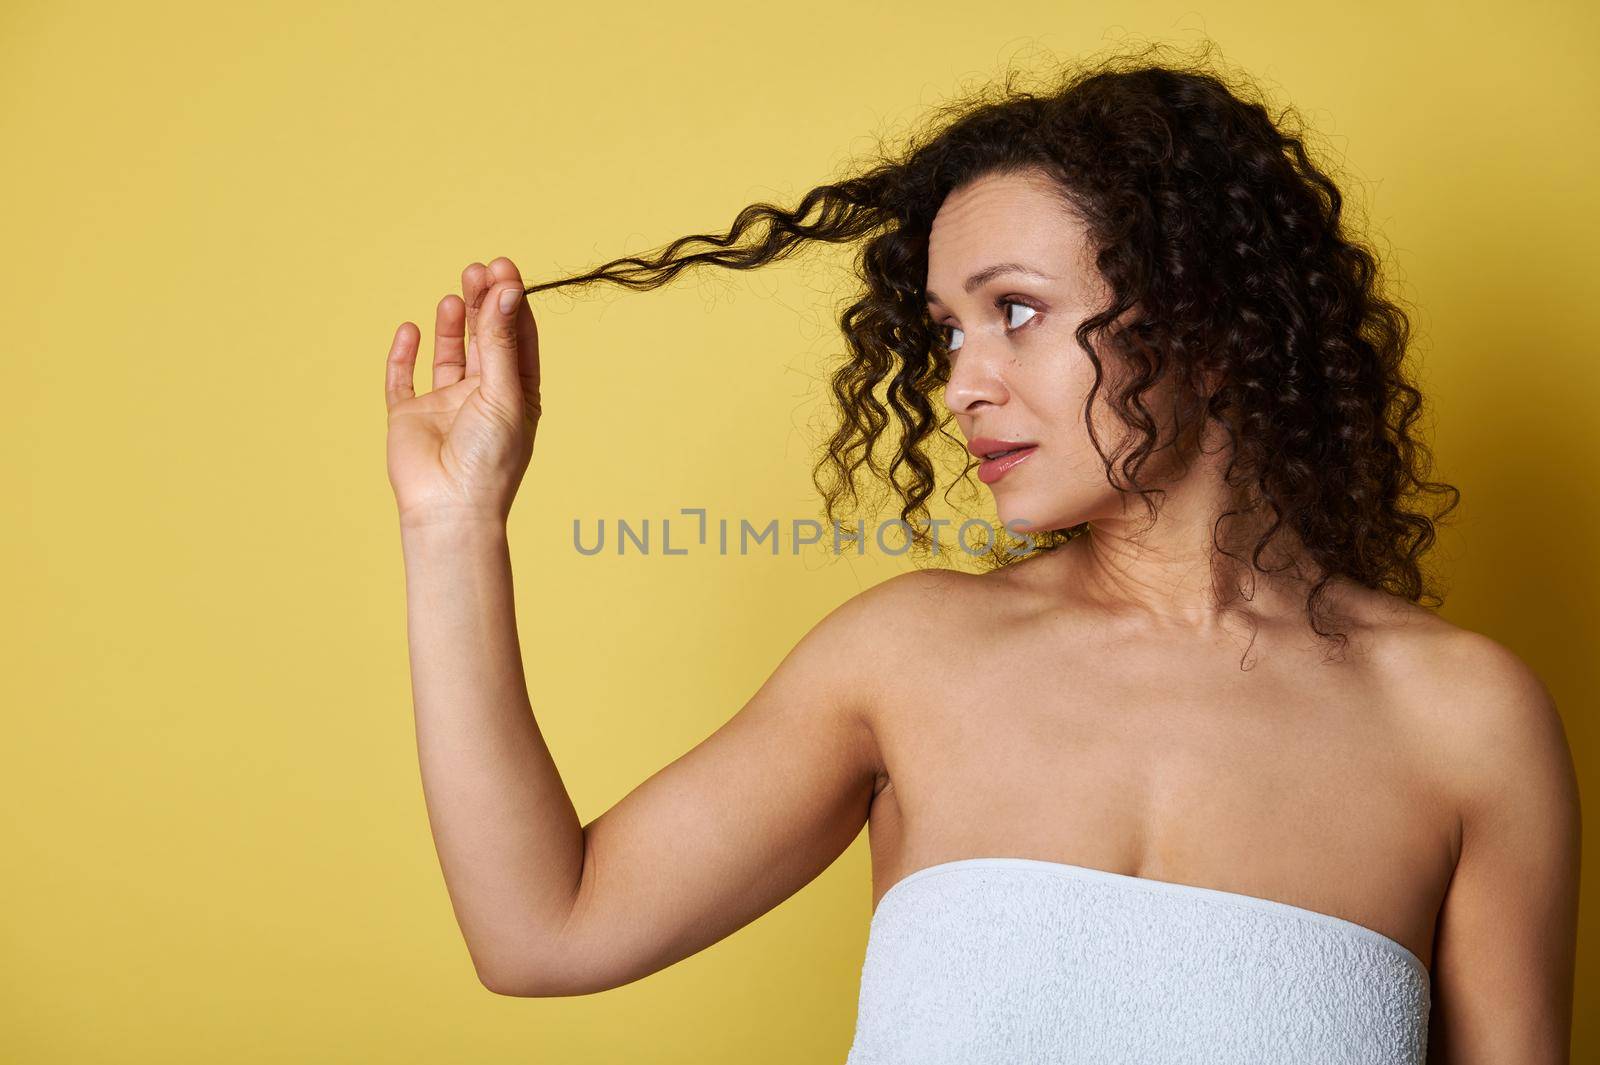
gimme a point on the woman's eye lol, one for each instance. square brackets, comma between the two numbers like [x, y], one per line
[953, 337]
[1024, 306]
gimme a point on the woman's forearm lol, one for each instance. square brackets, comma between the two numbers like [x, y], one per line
[508, 837]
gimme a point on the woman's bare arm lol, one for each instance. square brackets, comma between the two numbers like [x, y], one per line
[506, 832]
[547, 905]
[737, 824]
[1504, 952]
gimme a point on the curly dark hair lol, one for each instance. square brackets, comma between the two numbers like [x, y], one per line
[1229, 264]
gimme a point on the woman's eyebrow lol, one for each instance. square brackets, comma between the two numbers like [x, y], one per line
[989, 273]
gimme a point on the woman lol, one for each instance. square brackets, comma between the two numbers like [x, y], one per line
[1199, 778]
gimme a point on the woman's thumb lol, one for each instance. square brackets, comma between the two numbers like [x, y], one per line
[497, 346]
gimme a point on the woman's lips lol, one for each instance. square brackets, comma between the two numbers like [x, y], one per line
[991, 470]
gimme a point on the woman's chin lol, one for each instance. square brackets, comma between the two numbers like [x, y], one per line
[1019, 518]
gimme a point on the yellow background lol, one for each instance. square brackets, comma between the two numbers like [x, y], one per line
[215, 216]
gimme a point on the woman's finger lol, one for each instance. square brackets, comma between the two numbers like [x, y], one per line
[449, 341]
[475, 281]
[502, 270]
[402, 361]
[497, 338]
[528, 356]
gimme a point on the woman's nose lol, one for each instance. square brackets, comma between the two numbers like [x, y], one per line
[974, 380]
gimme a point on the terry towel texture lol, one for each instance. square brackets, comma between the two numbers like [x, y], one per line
[988, 960]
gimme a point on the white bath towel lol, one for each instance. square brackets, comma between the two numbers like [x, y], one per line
[984, 961]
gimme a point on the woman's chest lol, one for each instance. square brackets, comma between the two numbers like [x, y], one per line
[1306, 790]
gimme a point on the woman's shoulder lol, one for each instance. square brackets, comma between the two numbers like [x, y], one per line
[1489, 720]
[928, 583]
[912, 602]
[1489, 698]
[1475, 679]
[1440, 668]
[905, 606]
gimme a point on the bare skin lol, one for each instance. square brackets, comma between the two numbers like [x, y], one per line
[1084, 707]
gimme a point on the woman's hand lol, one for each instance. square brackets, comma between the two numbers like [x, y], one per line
[458, 452]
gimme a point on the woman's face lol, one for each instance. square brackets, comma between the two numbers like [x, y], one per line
[1011, 274]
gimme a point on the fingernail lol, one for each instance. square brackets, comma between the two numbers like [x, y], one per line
[508, 300]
